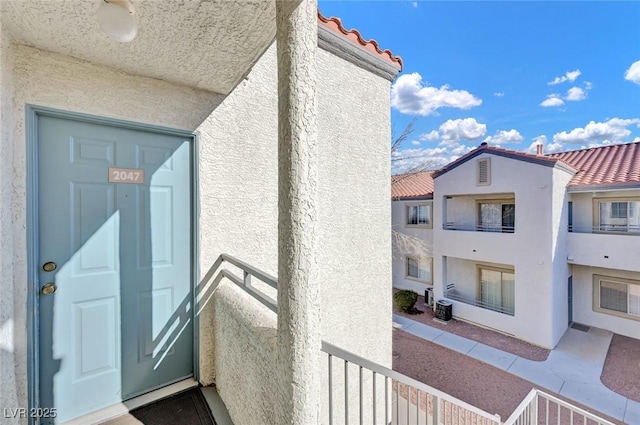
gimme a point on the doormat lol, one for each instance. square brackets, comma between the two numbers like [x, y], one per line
[580, 327]
[186, 408]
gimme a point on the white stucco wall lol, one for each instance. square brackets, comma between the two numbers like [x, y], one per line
[354, 216]
[560, 269]
[354, 187]
[12, 317]
[529, 250]
[463, 274]
[238, 184]
[245, 332]
[583, 311]
[421, 246]
[354, 212]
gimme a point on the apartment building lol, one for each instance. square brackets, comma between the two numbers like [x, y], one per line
[526, 244]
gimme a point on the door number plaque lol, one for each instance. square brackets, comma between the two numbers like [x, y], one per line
[126, 175]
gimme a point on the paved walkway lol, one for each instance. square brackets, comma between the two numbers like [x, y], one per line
[572, 369]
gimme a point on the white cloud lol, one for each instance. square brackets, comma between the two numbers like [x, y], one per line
[504, 136]
[552, 100]
[612, 131]
[414, 4]
[452, 131]
[633, 73]
[430, 137]
[575, 94]
[548, 147]
[426, 159]
[406, 160]
[461, 150]
[540, 139]
[499, 94]
[452, 134]
[415, 143]
[410, 96]
[568, 76]
[588, 85]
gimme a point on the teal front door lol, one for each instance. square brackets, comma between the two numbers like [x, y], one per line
[114, 264]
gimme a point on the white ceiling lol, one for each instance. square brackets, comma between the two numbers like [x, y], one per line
[207, 44]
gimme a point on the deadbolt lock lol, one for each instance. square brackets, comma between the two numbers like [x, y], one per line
[49, 288]
[49, 266]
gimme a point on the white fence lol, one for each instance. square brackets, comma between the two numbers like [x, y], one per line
[540, 408]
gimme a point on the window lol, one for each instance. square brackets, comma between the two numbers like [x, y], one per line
[618, 215]
[419, 268]
[570, 216]
[620, 297]
[483, 174]
[497, 216]
[419, 215]
[497, 290]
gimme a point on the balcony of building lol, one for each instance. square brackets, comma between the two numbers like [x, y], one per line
[353, 389]
[240, 302]
[595, 248]
[493, 213]
[483, 286]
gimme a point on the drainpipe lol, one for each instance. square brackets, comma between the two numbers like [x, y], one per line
[298, 353]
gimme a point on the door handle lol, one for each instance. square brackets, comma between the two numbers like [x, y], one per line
[48, 288]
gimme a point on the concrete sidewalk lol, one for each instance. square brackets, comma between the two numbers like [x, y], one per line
[572, 369]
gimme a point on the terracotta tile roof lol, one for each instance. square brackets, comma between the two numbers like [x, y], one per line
[412, 186]
[335, 24]
[602, 167]
[522, 156]
[614, 165]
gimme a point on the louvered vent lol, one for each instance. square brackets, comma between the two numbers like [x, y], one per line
[484, 171]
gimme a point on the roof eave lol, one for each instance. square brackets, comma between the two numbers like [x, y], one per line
[428, 197]
[547, 162]
[604, 187]
[342, 47]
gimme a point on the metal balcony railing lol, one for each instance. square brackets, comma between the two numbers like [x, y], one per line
[396, 399]
[618, 229]
[452, 294]
[478, 228]
[540, 408]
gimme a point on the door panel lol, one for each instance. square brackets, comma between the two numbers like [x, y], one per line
[120, 321]
[570, 298]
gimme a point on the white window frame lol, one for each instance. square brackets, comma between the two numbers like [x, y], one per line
[626, 228]
[481, 267]
[428, 206]
[633, 299]
[421, 262]
[501, 202]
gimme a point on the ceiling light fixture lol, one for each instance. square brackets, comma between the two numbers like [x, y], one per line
[116, 19]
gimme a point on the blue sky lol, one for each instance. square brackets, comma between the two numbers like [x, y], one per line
[512, 73]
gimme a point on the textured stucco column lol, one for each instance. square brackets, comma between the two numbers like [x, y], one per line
[298, 401]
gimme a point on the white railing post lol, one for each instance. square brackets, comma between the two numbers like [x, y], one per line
[534, 410]
[436, 409]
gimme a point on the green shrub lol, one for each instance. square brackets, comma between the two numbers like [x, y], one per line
[405, 299]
